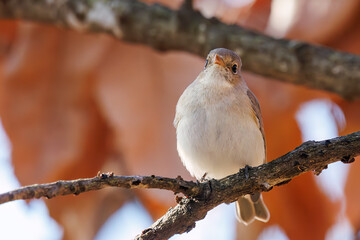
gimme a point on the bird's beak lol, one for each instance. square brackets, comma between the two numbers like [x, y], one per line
[219, 60]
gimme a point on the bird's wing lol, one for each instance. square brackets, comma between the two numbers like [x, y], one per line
[256, 109]
[177, 119]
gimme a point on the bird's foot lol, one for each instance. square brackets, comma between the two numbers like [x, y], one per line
[247, 168]
[203, 178]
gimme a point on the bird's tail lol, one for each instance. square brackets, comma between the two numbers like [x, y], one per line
[251, 207]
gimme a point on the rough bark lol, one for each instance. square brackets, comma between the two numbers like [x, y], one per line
[187, 30]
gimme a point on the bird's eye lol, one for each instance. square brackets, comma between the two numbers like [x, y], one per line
[234, 68]
[206, 63]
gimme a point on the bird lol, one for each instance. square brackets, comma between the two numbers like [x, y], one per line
[219, 128]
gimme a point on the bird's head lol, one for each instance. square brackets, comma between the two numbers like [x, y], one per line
[224, 62]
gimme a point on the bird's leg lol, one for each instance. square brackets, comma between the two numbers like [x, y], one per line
[247, 167]
[208, 189]
[203, 178]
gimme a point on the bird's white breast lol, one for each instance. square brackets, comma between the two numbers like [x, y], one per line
[216, 132]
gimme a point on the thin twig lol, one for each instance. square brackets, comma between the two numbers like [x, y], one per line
[103, 180]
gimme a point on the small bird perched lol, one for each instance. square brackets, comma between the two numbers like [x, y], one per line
[219, 128]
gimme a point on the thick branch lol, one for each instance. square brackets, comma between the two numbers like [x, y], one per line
[310, 156]
[187, 30]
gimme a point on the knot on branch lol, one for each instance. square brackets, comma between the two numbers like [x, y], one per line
[347, 159]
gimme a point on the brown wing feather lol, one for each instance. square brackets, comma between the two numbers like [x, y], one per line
[256, 108]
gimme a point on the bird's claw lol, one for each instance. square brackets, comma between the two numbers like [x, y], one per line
[203, 178]
[247, 167]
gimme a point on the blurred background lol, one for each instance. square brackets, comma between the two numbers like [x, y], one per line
[73, 104]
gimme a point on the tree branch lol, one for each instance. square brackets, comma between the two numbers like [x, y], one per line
[187, 30]
[310, 156]
[103, 180]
